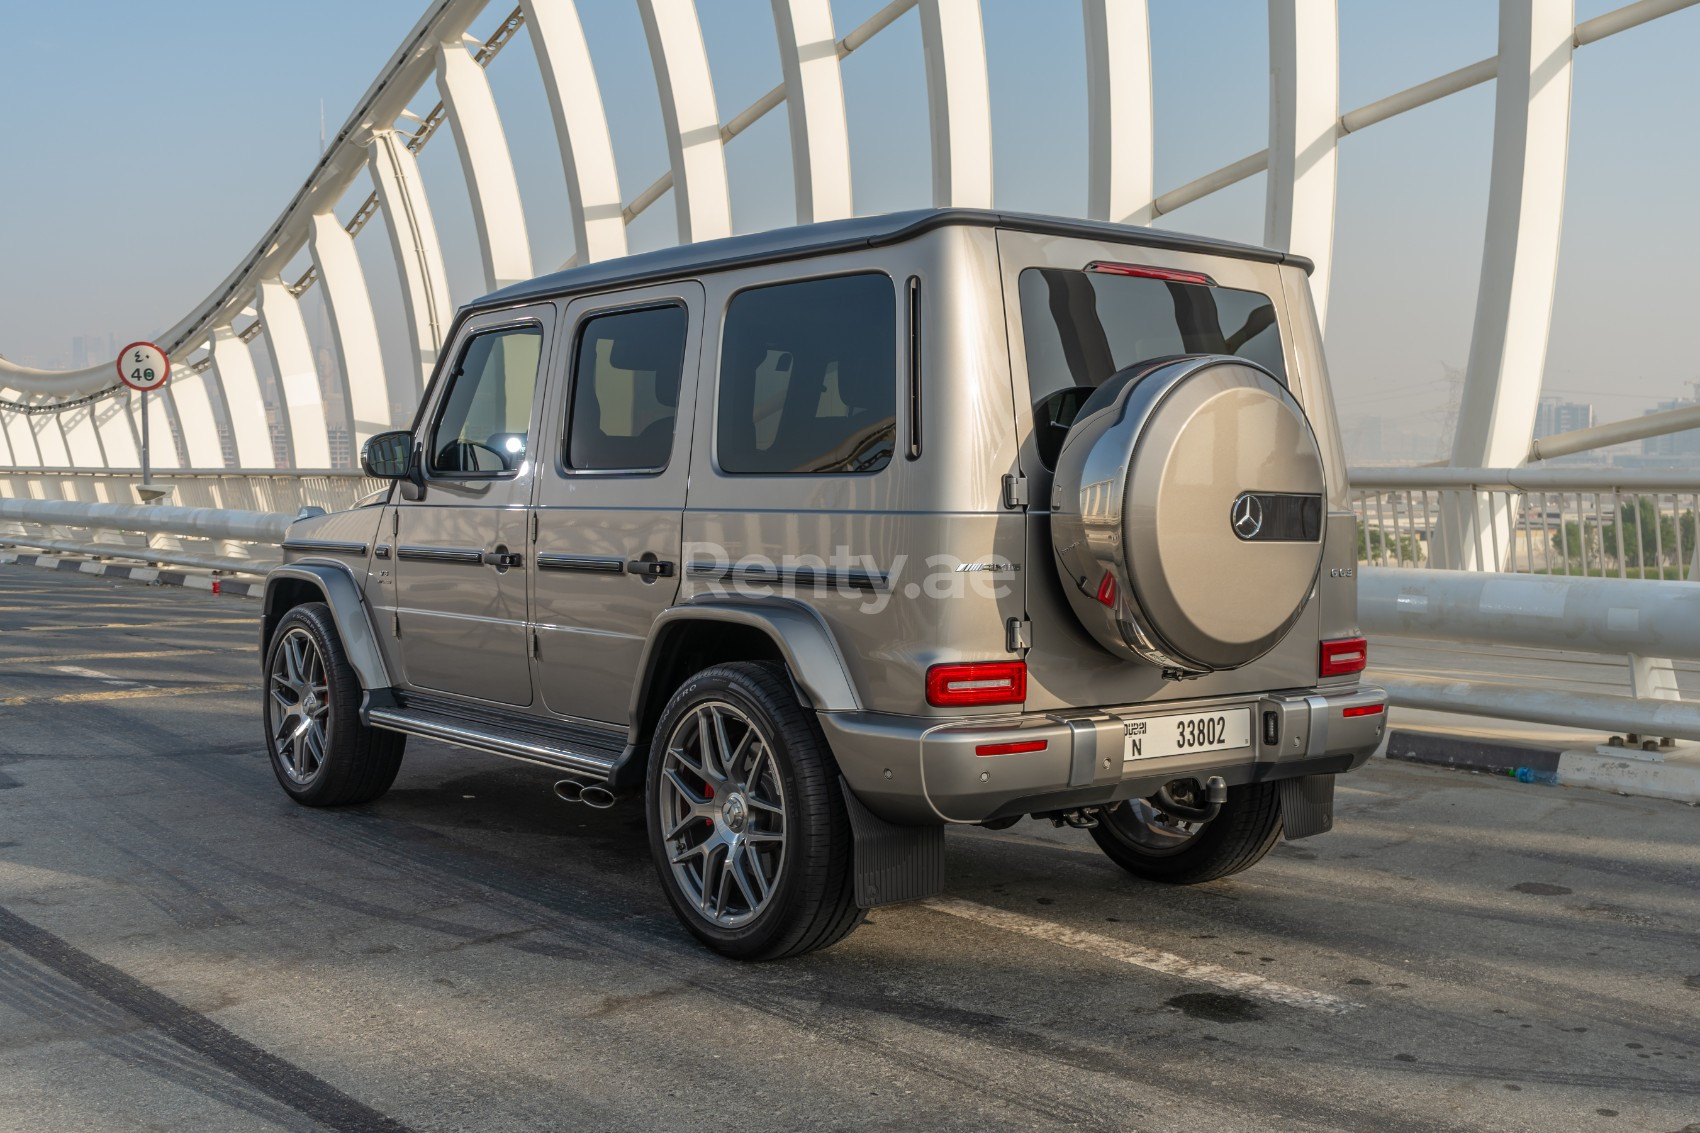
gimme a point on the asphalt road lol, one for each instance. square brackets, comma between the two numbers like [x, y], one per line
[182, 947]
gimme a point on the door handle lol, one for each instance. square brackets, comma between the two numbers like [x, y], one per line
[650, 568]
[502, 560]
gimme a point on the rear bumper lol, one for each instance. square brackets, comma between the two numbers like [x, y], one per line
[912, 770]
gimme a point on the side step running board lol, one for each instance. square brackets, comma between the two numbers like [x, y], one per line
[528, 746]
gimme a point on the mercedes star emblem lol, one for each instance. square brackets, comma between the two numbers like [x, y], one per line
[1247, 516]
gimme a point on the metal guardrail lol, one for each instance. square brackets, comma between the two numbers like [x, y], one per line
[262, 489]
[220, 539]
[1604, 620]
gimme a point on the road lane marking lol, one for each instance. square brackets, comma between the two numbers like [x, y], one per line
[136, 625]
[91, 675]
[125, 694]
[1245, 983]
[44, 658]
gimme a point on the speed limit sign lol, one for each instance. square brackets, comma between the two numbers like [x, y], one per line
[143, 366]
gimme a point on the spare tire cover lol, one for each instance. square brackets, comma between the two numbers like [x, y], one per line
[1188, 513]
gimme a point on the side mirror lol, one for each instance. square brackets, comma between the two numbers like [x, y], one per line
[388, 456]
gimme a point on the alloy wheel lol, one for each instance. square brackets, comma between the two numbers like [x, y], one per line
[298, 705]
[722, 811]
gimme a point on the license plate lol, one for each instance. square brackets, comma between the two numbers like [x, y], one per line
[1185, 733]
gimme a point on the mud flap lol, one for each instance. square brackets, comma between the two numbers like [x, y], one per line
[893, 863]
[1307, 805]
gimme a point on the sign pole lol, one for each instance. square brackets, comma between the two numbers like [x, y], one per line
[144, 367]
[145, 437]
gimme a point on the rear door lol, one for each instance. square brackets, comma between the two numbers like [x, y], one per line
[611, 496]
[1071, 328]
[460, 578]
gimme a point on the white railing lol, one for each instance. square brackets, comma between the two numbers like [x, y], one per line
[1587, 523]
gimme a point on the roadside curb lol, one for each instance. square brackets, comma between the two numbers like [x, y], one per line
[139, 574]
[1675, 776]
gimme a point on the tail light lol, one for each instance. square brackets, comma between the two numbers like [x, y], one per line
[977, 682]
[1342, 656]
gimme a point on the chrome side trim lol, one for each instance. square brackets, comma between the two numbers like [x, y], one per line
[440, 555]
[398, 720]
[324, 546]
[594, 564]
[782, 576]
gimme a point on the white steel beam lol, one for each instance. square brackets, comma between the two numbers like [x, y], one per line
[487, 165]
[958, 103]
[81, 438]
[1304, 127]
[354, 328]
[117, 431]
[6, 441]
[1531, 135]
[694, 146]
[193, 394]
[297, 377]
[413, 241]
[25, 453]
[814, 102]
[1508, 346]
[581, 128]
[244, 404]
[49, 439]
[1119, 180]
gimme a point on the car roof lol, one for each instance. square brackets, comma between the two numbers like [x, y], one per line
[804, 240]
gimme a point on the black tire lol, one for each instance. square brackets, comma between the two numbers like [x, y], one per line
[811, 903]
[357, 763]
[1237, 838]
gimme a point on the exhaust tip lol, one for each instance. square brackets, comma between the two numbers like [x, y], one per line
[569, 790]
[599, 797]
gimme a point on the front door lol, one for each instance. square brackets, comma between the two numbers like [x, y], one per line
[611, 496]
[460, 551]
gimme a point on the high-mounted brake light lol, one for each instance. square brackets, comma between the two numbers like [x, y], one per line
[1362, 710]
[1016, 748]
[977, 682]
[1342, 656]
[1168, 275]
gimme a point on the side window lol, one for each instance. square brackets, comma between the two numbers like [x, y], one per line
[808, 377]
[485, 417]
[626, 390]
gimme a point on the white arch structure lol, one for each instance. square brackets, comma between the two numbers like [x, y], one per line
[47, 419]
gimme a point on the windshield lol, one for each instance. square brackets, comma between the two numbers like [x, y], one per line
[1084, 326]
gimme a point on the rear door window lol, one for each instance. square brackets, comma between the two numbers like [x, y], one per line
[1084, 326]
[808, 378]
[626, 390]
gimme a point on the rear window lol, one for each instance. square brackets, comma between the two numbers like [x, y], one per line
[1084, 326]
[808, 377]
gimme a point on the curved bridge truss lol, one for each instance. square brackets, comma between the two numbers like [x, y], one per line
[54, 422]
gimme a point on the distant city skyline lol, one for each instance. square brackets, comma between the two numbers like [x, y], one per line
[240, 129]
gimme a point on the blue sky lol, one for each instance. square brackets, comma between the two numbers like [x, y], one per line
[144, 148]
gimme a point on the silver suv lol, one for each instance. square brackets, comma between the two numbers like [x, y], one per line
[819, 540]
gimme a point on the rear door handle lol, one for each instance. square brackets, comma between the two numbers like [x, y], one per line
[502, 560]
[650, 568]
